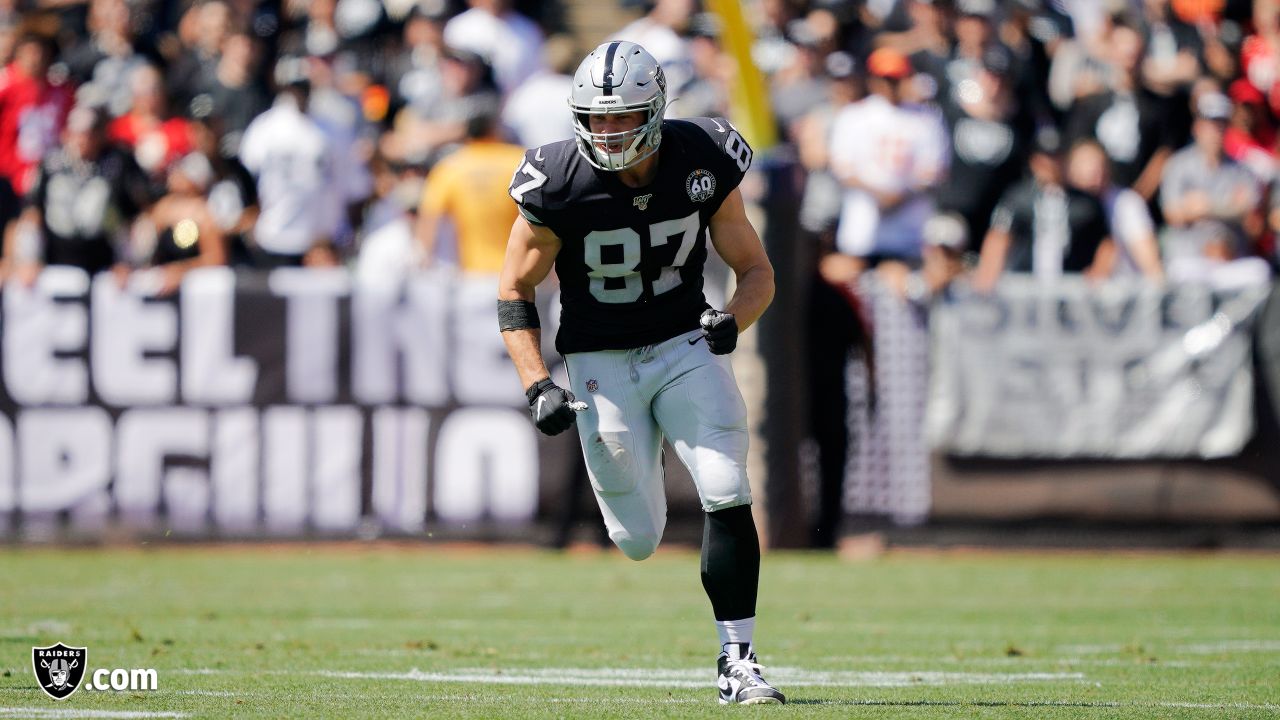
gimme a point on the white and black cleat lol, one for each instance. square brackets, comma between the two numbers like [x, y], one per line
[740, 682]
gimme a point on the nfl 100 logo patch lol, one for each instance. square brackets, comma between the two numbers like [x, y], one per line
[700, 185]
[592, 385]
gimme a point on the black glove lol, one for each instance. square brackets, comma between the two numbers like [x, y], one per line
[721, 331]
[549, 407]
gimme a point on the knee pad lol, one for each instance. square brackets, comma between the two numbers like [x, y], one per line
[636, 547]
[611, 461]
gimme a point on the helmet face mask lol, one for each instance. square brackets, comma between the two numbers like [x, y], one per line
[616, 78]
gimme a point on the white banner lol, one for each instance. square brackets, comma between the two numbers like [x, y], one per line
[283, 404]
[1073, 370]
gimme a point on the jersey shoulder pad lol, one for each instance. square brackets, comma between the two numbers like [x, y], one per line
[541, 176]
[722, 137]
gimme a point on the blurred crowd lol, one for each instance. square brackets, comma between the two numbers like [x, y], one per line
[1104, 137]
[147, 137]
[1100, 137]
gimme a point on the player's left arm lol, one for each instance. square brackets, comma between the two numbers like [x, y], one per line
[737, 242]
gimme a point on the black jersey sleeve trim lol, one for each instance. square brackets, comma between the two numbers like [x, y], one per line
[527, 214]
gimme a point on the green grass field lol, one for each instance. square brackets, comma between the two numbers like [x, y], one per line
[384, 631]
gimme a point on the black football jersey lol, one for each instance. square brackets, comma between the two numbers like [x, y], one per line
[631, 259]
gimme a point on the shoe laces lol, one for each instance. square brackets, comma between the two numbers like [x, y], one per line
[747, 665]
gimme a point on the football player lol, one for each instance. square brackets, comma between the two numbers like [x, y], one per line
[623, 212]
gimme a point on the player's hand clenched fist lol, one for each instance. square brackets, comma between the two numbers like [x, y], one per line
[550, 407]
[721, 331]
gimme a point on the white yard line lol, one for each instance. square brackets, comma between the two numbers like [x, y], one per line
[38, 627]
[674, 678]
[1051, 703]
[44, 712]
[1230, 646]
[1099, 649]
[1213, 706]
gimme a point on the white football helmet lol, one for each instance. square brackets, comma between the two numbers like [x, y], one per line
[618, 77]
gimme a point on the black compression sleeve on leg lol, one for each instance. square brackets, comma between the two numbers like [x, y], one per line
[731, 562]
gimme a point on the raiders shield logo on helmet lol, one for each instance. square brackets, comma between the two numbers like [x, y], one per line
[59, 669]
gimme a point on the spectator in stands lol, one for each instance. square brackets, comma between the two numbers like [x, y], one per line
[975, 38]
[203, 31]
[422, 135]
[1043, 226]
[389, 252]
[1089, 19]
[928, 41]
[341, 117]
[1173, 48]
[1033, 32]
[314, 28]
[1133, 232]
[1260, 54]
[946, 239]
[155, 138]
[1218, 55]
[299, 195]
[801, 85]
[469, 188]
[506, 40]
[707, 93]
[234, 94]
[414, 73]
[1251, 135]
[1128, 120]
[1273, 225]
[889, 157]
[103, 62]
[32, 112]
[820, 204]
[662, 32]
[186, 233]
[990, 131]
[233, 193]
[83, 203]
[8, 42]
[1209, 199]
[772, 49]
[1077, 69]
[535, 111]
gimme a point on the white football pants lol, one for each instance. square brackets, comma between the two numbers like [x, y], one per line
[675, 389]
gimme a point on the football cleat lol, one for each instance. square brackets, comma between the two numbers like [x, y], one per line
[740, 682]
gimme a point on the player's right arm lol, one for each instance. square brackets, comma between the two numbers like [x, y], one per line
[531, 253]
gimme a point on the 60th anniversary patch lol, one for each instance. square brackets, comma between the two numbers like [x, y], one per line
[700, 185]
[59, 669]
